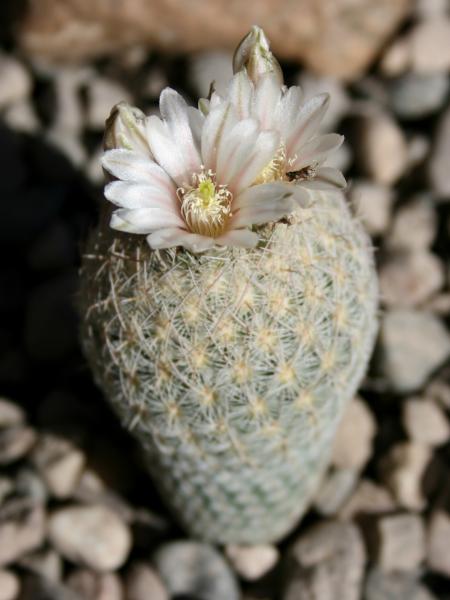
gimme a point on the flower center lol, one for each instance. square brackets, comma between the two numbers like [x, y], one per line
[275, 170]
[205, 206]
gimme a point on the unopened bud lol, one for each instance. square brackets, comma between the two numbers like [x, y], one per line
[125, 128]
[253, 53]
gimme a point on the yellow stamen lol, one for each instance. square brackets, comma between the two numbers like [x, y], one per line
[205, 205]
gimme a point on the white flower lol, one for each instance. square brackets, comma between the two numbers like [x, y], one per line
[301, 153]
[197, 190]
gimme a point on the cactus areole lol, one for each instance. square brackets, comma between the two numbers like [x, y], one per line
[229, 305]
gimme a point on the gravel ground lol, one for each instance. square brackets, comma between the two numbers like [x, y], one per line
[379, 528]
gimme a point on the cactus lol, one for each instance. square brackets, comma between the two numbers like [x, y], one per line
[231, 339]
[233, 367]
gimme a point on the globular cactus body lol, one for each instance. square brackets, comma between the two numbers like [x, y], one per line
[233, 367]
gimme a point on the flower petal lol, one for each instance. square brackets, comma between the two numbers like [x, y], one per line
[266, 99]
[196, 120]
[243, 238]
[307, 122]
[326, 178]
[263, 151]
[240, 94]
[140, 195]
[144, 220]
[261, 195]
[219, 120]
[235, 147]
[131, 166]
[171, 237]
[260, 206]
[171, 141]
[287, 111]
[317, 150]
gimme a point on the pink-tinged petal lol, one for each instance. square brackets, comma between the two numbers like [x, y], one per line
[261, 155]
[166, 152]
[266, 98]
[140, 195]
[317, 150]
[131, 166]
[144, 220]
[219, 120]
[307, 122]
[175, 113]
[243, 238]
[171, 237]
[235, 147]
[262, 212]
[196, 120]
[262, 195]
[240, 94]
[326, 178]
[287, 111]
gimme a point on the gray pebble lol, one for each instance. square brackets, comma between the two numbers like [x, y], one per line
[413, 344]
[196, 569]
[414, 95]
[394, 586]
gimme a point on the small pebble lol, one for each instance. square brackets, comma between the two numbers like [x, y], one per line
[143, 583]
[29, 484]
[353, 440]
[394, 586]
[396, 58]
[368, 498]
[381, 148]
[335, 490]
[93, 536]
[252, 562]
[327, 562]
[16, 81]
[425, 422]
[429, 45]
[96, 586]
[418, 216]
[403, 469]
[22, 117]
[59, 463]
[408, 279]
[372, 204]
[9, 585]
[10, 413]
[413, 345]
[21, 534]
[195, 570]
[415, 96]
[438, 555]
[400, 542]
[15, 443]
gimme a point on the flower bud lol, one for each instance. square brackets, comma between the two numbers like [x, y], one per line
[253, 53]
[125, 128]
